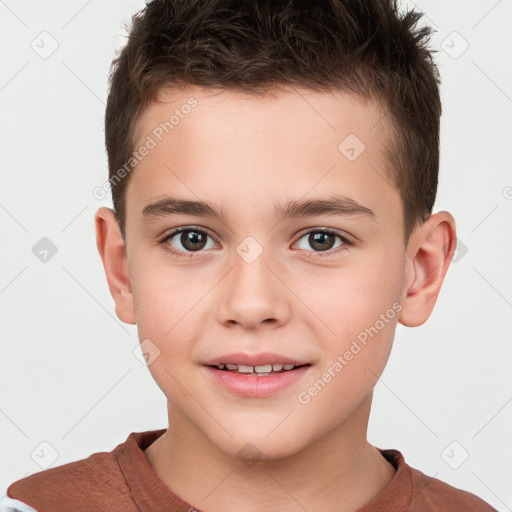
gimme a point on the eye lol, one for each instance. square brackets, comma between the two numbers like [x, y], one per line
[183, 242]
[323, 241]
[190, 239]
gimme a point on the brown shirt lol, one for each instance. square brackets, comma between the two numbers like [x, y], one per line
[123, 480]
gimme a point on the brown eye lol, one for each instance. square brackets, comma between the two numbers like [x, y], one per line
[193, 240]
[188, 240]
[322, 240]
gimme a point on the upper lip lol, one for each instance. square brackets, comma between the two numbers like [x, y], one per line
[259, 359]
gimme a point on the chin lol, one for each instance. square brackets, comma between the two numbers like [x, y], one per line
[250, 447]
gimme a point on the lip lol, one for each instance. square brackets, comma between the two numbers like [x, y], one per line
[259, 359]
[253, 386]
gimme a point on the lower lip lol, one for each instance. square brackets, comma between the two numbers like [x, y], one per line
[253, 386]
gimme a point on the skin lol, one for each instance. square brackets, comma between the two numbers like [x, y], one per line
[247, 154]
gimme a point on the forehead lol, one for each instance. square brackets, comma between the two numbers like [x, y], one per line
[229, 145]
[230, 111]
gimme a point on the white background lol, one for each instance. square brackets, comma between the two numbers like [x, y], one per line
[68, 373]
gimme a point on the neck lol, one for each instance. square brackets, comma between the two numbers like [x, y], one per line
[341, 471]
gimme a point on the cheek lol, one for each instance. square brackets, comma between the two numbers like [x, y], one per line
[166, 329]
[347, 300]
[164, 312]
[357, 312]
[350, 367]
[165, 300]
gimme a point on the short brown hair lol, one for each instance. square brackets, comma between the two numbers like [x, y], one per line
[363, 46]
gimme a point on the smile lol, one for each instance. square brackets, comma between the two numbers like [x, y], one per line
[260, 370]
[259, 381]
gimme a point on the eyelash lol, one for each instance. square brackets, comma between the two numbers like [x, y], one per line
[188, 255]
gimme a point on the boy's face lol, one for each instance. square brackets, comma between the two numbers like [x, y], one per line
[258, 281]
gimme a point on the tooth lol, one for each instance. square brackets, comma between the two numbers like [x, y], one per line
[263, 374]
[288, 366]
[263, 369]
[230, 366]
[245, 369]
[220, 366]
[277, 367]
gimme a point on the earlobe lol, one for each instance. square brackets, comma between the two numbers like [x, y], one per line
[113, 254]
[429, 253]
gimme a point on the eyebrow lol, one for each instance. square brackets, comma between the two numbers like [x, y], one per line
[333, 205]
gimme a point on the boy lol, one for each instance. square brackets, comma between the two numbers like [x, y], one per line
[242, 137]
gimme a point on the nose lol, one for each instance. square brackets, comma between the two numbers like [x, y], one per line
[252, 294]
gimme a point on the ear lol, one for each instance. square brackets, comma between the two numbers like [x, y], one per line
[113, 254]
[429, 252]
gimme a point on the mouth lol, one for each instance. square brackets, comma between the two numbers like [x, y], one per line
[264, 370]
[255, 381]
